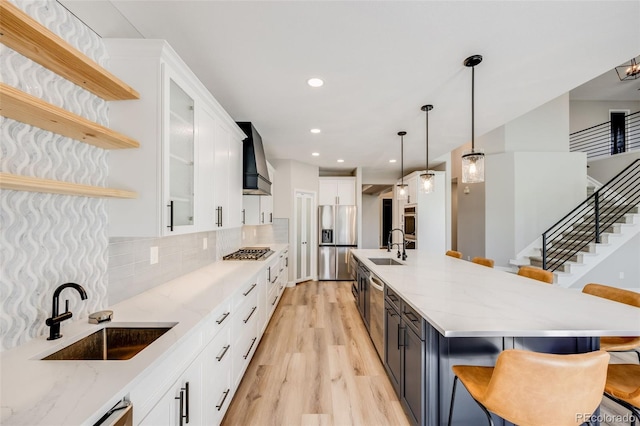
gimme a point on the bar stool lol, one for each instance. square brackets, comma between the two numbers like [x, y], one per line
[616, 344]
[623, 387]
[536, 389]
[536, 274]
[454, 253]
[483, 261]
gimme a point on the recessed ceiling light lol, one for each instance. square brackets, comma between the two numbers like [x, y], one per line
[340, 160]
[315, 82]
[315, 154]
[392, 161]
[315, 131]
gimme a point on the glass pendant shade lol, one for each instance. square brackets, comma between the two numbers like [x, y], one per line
[427, 182]
[402, 191]
[473, 167]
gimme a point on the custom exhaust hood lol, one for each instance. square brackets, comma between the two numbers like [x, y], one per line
[255, 176]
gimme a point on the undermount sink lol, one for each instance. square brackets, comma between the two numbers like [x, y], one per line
[384, 261]
[110, 344]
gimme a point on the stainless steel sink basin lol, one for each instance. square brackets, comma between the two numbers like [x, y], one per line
[384, 261]
[110, 343]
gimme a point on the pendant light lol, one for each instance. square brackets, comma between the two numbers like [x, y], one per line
[473, 161]
[427, 178]
[402, 187]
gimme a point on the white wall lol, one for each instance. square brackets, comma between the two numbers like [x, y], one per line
[624, 260]
[371, 221]
[584, 114]
[603, 169]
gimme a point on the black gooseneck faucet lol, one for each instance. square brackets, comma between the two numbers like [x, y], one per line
[390, 245]
[56, 319]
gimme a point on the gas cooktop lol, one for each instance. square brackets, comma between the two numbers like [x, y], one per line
[250, 253]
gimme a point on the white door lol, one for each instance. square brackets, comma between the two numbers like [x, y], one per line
[304, 230]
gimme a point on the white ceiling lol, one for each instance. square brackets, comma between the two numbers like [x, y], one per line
[381, 61]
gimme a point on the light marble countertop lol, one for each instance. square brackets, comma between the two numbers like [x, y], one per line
[462, 299]
[35, 392]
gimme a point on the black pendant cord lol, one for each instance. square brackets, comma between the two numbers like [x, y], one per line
[427, 148]
[473, 91]
[401, 134]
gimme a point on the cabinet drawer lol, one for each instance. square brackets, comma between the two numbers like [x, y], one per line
[220, 350]
[246, 318]
[413, 319]
[249, 291]
[243, 350]
[216, 321]
[392, 297]
[221, 395]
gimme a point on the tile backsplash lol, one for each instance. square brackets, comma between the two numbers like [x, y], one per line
[277, 233]
[130, 271]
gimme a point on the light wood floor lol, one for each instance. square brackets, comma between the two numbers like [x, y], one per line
[316, 365]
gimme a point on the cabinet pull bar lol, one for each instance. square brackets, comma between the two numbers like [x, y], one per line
[411, 316]
[400, 332]
[270, 217]
[170, 226]
[224, 398]
[392, 297]
[186, 389]
[251, 289]
[250, 314]
[222, 318]
[223, 353]
[262, 217]
[243, 217]
[253, 341]
[274, 300]
[181, 412]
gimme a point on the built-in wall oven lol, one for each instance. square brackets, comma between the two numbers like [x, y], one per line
[410, 226]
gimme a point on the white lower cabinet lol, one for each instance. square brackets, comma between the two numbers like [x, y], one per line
[183, 403]
[201, 391]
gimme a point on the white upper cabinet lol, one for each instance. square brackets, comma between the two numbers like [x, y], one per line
[337, 190]
[188, 170]
[258, 209]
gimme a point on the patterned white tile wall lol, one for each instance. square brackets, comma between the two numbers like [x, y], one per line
[47, 240]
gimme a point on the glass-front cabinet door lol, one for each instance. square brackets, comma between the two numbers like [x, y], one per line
[181, 158]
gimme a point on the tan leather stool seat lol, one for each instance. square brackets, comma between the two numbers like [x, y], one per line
[454, 253]
[483, 261]
[536, 274]
[628, 297]
[623, 384]
[537, 389]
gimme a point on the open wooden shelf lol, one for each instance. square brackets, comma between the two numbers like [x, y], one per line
[28, 37]
[29, 109]
[49, 186]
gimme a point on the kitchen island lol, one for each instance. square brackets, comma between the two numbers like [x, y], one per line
[470, 313]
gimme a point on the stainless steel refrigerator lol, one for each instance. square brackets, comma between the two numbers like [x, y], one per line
[337, 234]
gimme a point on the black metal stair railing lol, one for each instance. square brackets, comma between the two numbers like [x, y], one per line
[597, 214]
[596, 140]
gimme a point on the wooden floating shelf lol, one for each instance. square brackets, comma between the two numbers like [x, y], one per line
[49, 186]
[29, 109]
[28, 37]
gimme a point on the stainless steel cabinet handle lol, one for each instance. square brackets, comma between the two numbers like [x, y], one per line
[170, 226]
[250, 314]
[250, 289]
[224, 398]
[253, 341]
[223, 353]
[222, 318]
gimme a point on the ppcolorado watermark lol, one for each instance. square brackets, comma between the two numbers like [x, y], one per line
[604, 418]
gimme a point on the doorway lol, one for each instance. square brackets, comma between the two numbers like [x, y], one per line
[387, 220]
[618, 131]
[304, 226]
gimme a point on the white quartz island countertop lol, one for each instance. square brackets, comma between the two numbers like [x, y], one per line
[35, 392]
[462, 299]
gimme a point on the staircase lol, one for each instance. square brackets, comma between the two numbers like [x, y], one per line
[590, 233]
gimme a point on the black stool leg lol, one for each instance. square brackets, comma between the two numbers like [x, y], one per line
[453, 398]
